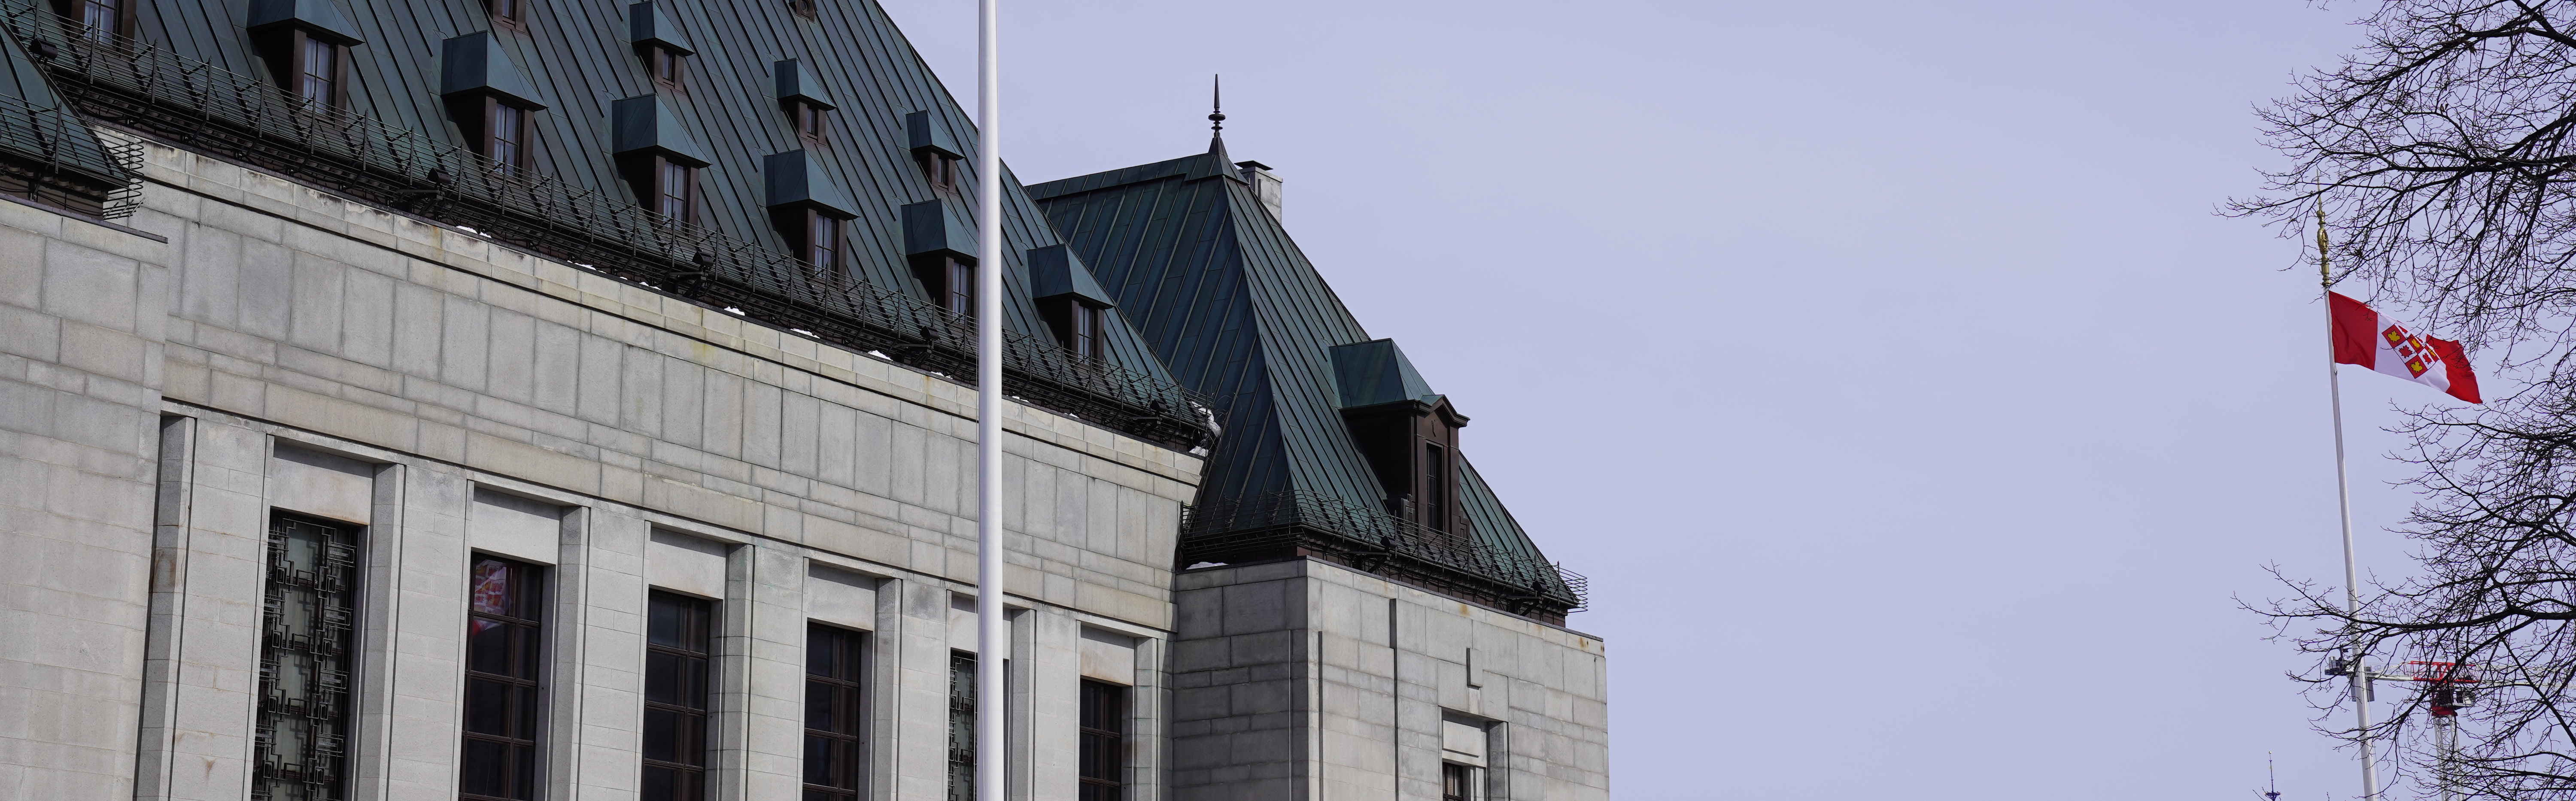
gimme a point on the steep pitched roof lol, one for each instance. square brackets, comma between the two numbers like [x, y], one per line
[1237, 312]
[580, 57]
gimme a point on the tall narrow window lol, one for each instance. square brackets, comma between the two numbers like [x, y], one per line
[102, 20]
[301, 742]
[677, 185]
[810, 121]
[961, 288]
[319, 80]
[835, 719]
[508, 145]
[1435, 487]
[1103, 762]
[1457, 782]
[1078, 325]
[678, 642]
[961, 726]
[823, 242]
[313, 70]
[663, 185]
[950, 282]
[503, 681]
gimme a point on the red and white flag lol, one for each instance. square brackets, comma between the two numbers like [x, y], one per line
[2370, 339]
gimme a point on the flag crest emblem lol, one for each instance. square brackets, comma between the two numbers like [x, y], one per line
[2363, 337]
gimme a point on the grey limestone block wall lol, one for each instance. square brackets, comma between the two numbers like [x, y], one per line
[81, 326]
[1305, 679]
[443, 396]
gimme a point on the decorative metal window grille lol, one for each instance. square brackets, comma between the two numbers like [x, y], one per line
[835, 714]
[961, 726]
[679, 642]
[301, 741]
[503, 670]
[1103, 761]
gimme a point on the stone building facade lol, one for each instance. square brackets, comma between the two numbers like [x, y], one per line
[311, 492]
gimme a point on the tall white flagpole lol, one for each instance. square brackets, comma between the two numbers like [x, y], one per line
[2353, 659]
[992, 631]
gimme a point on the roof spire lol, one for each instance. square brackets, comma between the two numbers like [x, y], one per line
[1216, 116]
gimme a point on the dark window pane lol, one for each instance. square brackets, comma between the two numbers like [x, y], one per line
[659, 784]
[487, 706]
[485, 771]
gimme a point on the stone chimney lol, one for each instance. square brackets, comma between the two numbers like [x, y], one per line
[1265, 185]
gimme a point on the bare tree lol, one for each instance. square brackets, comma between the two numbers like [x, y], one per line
[2441, 151]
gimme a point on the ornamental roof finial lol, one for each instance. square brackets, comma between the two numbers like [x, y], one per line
[1216, 119]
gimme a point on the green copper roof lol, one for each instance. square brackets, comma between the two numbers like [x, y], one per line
[934, 227]
[645, 124]
[475, 63]
[646, 24]
[318, 17]
[797, 178]
[1055, 272]
[795, 82]
[923, 130]
[1375, 372]
[1234, 308]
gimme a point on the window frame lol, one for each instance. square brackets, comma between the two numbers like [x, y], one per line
[961, 725]
[285, 50]
[334, 576]
[1438, 479]
[668, 68]
[1079, 325]
[507, 14]
[942, 276]
[812, 122]
[803, 225]
[691, 652]
[523, 610]
[937, 168]
[1090, 762]
[520, 157]
[850, 700]
[75, 15]
[1458, 782]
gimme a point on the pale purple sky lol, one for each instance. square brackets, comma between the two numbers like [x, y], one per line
[1883, 363]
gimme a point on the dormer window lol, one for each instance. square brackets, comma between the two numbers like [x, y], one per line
[1071, 301]
[1436, 487]
[808, 9]
[668, 66]
[505, 137]
[659, 42]
[99, 20]
[491, 101]
[804, 99]
[950, 282]
[305, 47]
[808, 207]
[815, 235]
[512, 14]
[940, 169]
[657, 157]
[675, 190]
[933, 150]
[313, 69]
[1078, 325]
[1408, 434]
[810, 121]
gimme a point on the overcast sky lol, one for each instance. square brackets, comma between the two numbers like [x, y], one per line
[1883, 363]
